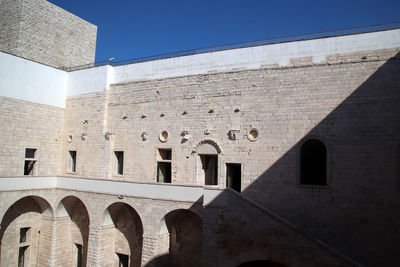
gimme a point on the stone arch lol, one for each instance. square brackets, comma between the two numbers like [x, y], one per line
[180, 239]
[22, 227]
[209, 145]
[73, 221]
[208, 162]
[122, 235]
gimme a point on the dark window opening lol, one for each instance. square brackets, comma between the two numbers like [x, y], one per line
[210, 167]
[22, 256]
[164, 164]
[119, 159]
[30, 161]
[72, 161]
[165, 154]
[78, 255]
[164, 172]
[123, 260]
[29, 167]
[30, 153]
[313, 163]
[22, 234]
[234, 176]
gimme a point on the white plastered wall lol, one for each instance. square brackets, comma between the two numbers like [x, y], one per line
[30, 81]
[98, 79]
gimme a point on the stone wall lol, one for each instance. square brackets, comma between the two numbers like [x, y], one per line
[42, 32]
[351, 102]
[29, 125]
[226, 226]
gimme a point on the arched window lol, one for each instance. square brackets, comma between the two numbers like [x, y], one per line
[313, 163]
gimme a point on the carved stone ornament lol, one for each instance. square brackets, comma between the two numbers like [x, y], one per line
[252, 135]
[163, 136]
[145, 136]
[186, 135]
[233, 134]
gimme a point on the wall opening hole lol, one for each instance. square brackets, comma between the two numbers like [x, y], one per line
[234, 176]
[252, 135]
[210, 168]
[164, 164]
[164, 136]
[119, 162]
[72, 161]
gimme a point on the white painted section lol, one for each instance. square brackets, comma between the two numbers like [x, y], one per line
[215, 197]
[28, 183]
[27, 80]
[254, 57]
[96, 79]
[152, 191]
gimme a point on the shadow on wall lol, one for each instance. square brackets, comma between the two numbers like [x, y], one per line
[181, 239]
[356, 213]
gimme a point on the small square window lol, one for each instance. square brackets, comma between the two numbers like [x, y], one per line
[23, 233]
[30, 153]
[164, 154]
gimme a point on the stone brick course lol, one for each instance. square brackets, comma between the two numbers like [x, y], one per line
[42, 32]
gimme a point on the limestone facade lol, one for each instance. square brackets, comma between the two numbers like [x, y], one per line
[200, 160]
[40, 31]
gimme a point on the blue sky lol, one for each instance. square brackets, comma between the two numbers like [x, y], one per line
[131, 29]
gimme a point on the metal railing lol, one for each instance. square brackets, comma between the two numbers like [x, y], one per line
[285, 39]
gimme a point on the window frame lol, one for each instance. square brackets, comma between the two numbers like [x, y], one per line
[160, 159]
[117, 167]
[72, 160]
[34, 160]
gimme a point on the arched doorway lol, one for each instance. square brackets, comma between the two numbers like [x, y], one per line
[207, 163]
[23, 232]
[122, 235]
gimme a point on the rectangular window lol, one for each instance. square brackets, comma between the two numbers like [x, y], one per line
[78, 255]
[72, 161]
[22, 256]
[30, 153]
[23, 232]
[30, 161]
[123, 260]
[164, 162]
[119, 162]
[210, 168]
[234, 176]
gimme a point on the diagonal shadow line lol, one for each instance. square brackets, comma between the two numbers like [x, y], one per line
[358, 212]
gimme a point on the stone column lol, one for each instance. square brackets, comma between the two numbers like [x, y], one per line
[149, 249]
[93, 250]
